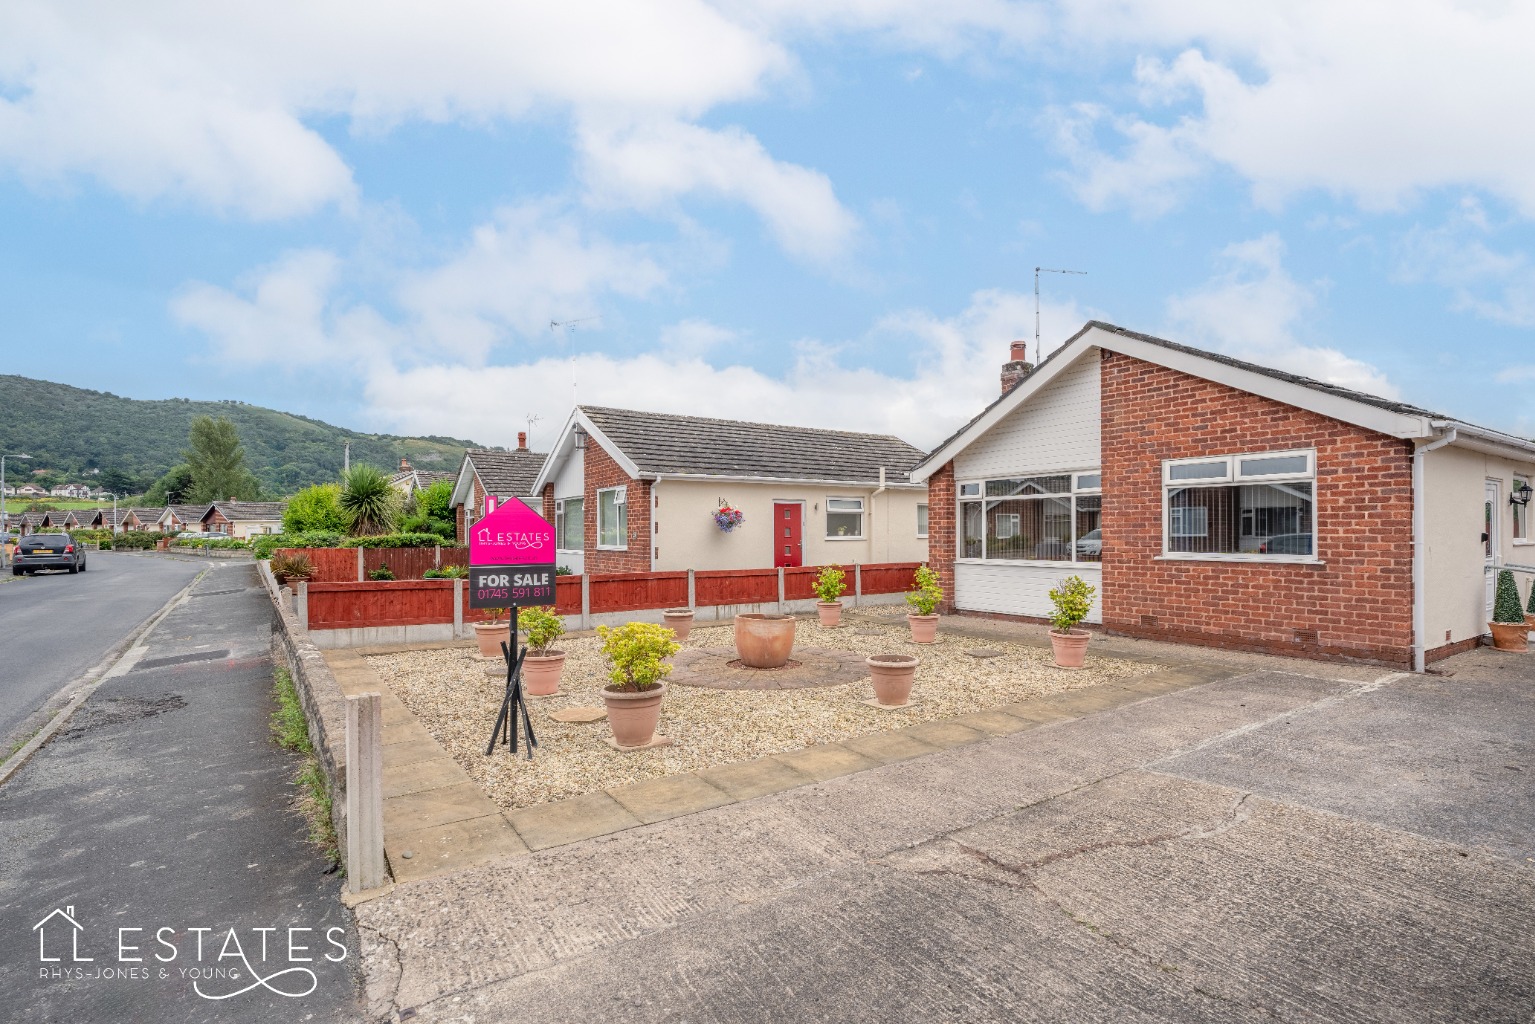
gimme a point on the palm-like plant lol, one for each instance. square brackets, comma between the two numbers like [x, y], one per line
[370, 502]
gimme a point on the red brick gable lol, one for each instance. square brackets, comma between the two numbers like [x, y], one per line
[1357, 604]
[601, 471]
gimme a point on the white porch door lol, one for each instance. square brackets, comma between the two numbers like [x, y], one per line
[1490, 547]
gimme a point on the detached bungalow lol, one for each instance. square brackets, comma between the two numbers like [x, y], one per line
[105, 519]
[1216, 501]
[146, 519]
[506, 474]
[243, 519]
[408, 479]
[635, 491]
[182, 519]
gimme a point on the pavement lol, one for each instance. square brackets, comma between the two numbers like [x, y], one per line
[164, 804]
[58, 626]
[1321, 844]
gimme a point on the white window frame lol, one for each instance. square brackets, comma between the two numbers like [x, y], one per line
[924, 514]
[971, 492]
[620, 502]
[863, 517]
[1231, 475]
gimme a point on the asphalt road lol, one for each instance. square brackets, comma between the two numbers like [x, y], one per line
[54, 626]
[164, 804]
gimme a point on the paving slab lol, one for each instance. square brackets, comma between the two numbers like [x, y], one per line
[411, 751]
[406, 731]
[944, 734]
[993, 723]
[889, 747]
[745, 780]
[569, 821]
[827, 761]
[658, 799]
[411, 811]
[452, 847]
[423, 775]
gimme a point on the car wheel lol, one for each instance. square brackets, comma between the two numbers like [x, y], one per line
[82, 565]
[15, 571]
[73, 568]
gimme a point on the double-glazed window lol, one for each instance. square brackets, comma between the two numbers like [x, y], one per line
[613, 517]
[569, 524]
[921, 520]
[1052, 518]
[844, 518]
[1258, 505]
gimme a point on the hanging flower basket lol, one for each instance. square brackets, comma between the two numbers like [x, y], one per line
[728, 518]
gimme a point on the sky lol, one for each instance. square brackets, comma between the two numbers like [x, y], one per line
[774, 210]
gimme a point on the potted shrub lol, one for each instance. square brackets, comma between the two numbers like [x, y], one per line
[892, 676]
[637, 667]
[828, 586]
[542, 667]
[1509, 630]
[291, 569]
[1529, 617]
[493, 632]
[1073, 599]
[679, 621]
[924, 601]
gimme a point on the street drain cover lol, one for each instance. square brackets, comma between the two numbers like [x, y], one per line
[95, 714]
[181, 659]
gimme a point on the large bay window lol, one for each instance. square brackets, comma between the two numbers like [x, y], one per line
[613, 518]
[1032, 519]
[1260, 505]
[569, 524]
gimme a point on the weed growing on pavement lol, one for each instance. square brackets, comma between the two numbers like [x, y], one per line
[291, 731]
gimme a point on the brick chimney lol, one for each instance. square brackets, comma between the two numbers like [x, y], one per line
[522, 440]
[1017, 366]
[404, 464]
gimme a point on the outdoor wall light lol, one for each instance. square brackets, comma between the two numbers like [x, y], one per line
[1521, 495]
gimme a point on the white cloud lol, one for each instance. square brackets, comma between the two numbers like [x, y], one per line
[694, 339]
[1251, 309]
[1377, 100]
[1497, 286]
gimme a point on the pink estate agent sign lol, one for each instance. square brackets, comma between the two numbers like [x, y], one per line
[513, 534]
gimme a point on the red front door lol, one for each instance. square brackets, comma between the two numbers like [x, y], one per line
[788, 530]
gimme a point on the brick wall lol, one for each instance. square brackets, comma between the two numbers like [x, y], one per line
[602, 471]
[1359, 603]
[941, 511]
[549, 505]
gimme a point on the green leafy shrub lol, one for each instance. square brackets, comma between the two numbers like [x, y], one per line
[831, 583]
[382, 573]
[446, 572]
[398, 540]
[1073, 599]
[218, 543]
[1505, 607]
[369, 501]
[134, 540]
[928, 595]
[636, 654]
[316, 508]
[542, 628]
[563, 570]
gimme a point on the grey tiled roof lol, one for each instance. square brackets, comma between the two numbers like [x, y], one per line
[189, 513]
[695, 445]
[506, 474]
[237, 511]
[147, 515]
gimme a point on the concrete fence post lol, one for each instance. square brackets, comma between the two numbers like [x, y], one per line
[857, 584]
[458, 609]
[364, 792]
[781, 606]
[301, 603]
[692, 590]
[436, 556]
[586, 601]
[361, 576]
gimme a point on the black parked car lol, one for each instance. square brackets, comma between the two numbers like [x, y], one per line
[48, 551]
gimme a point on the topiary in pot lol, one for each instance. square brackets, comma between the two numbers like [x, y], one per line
[829, 586]
[924, 601]
[1073, 599]
[637, 668]
[1509, 630]
[1529, 617]
[542, 667]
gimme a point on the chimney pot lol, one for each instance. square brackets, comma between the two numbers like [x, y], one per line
[522, 440]
[1020, 352]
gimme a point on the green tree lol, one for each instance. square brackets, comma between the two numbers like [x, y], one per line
[119, 482]
[174, 488]
[370, 502]
[315, 508]
[217, 462]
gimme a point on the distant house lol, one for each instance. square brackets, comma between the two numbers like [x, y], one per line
[107, 519]
[243, 519]
[506, 474]
[146, 519]
[182, 518]
[31, 491]
[78, 519]
[32, 522]
[631, 491]
[408, 479]
[73, 492]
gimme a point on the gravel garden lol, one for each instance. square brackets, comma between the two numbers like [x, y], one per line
[821, 699]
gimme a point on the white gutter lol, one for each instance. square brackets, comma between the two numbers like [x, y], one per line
[805, 481]
[1419, 558]
[1508, 441]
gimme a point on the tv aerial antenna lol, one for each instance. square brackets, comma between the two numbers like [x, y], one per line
[533, 418]
[1038, 355]
[569, 327]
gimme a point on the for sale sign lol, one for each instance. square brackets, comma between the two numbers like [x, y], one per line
[511, 557]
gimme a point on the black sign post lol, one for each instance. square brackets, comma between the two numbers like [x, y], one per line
[512, 701]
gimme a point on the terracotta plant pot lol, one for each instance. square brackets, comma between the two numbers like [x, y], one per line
[924, 628]
[764, 641]
[1510, 636]
[491, 635]
[1529, 620]
[634, 716]
[679, 621]
[541, 673]
[830, 613]
[1070, 647]
[892, 676]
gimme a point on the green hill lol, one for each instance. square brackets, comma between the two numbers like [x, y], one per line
[73, 431]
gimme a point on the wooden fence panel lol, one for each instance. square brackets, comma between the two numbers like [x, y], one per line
[331, 565]
[397, 603]
[405, 563]
[631, 591]
[798, 581]
[735, 586]
[567, 595]
[889, 577]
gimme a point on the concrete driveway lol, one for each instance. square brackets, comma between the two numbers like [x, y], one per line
[1273, 846]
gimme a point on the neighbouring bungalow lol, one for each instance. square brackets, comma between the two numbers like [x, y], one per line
[32, 522]
[408, 479]
[144, 519]
[243, 519]
[106, 519]
[182, 519]
[79, 519]
[505, 474]
[1216, 501]
[632, 491]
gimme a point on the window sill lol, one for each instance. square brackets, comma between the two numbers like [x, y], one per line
[1524, 543]
[569, 551]
[1029, 563]
[846, 538]
[1257, 559]
[922, 536]
[612, 547]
